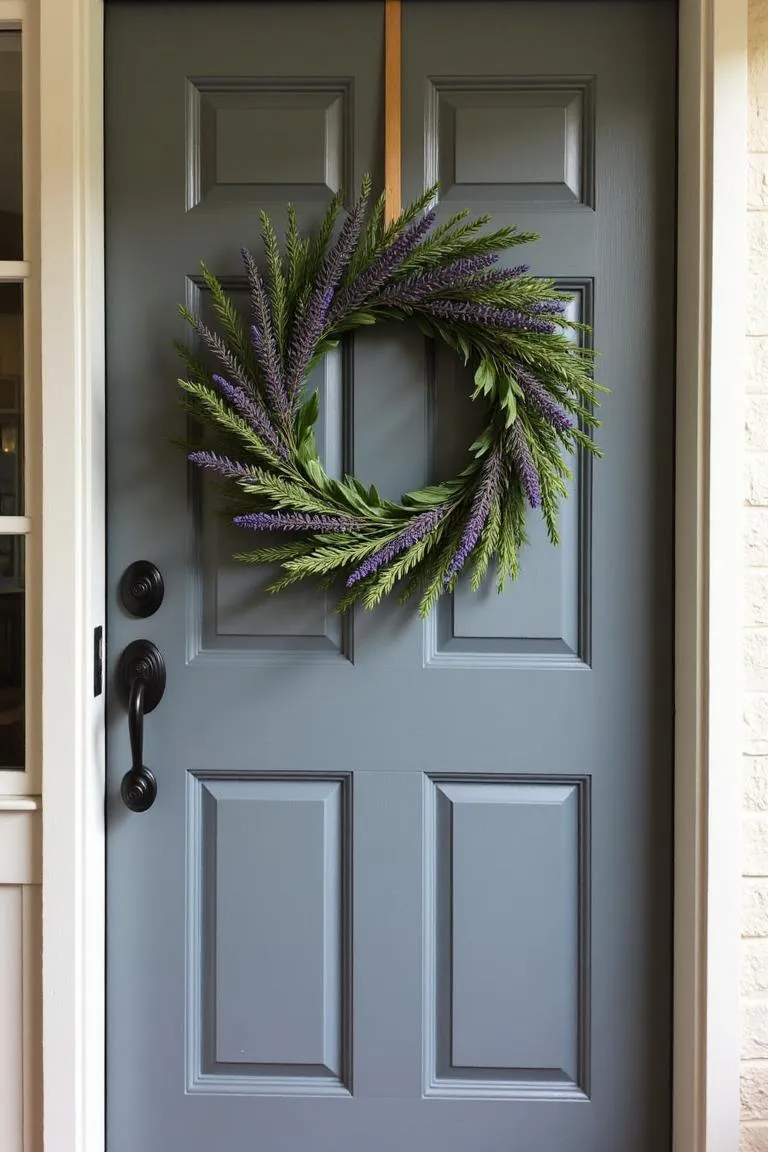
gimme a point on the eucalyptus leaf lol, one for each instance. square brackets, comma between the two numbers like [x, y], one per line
[485, 377]
[510, 404]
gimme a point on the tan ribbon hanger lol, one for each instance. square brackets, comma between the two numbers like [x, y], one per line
[392, 109]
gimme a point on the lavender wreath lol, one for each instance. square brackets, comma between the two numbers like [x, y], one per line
[508, 325]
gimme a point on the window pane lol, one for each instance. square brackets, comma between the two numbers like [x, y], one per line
[12, 652]
[11, 401]
[11, 243]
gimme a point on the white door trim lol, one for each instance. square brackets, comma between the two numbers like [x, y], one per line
[72, 276]
[711, 321]
[712, 286]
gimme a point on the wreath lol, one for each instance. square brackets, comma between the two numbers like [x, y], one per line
[508, 326]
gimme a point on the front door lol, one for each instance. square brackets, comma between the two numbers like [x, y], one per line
[406, 886]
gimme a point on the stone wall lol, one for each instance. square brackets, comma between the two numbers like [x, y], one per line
[754, 970]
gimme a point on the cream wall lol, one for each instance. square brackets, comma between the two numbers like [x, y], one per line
[754, 967]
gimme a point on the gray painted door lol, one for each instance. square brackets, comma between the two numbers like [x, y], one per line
[405, 886]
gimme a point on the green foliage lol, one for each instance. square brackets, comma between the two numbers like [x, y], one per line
[209, 404]
[487, 546]
[278, 295]
[319, 245]
[369, 545]
[296, 252]
[229, 318]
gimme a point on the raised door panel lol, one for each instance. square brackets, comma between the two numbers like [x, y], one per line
[256, 139]
[233, 615]
[514, 139]
[543, 618]
[507, 937]
[269, 865]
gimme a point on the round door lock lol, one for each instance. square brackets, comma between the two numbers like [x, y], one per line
[142, 588]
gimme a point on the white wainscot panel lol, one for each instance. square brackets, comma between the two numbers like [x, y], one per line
[20, 983]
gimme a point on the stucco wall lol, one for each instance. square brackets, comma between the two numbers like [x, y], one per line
[754, 968]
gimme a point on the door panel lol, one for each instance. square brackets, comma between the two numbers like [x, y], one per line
[506, 994]
[288, 1033]
[405, 884]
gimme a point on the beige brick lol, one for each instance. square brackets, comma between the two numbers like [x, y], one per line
[755, 846]
[754, 1091]
[757, 180]
[757, 128]
[756, 658]
[755, 653]
[755, 521]
[756, 422]
[754, 908]
[756, 598]
[754, 1031]
[754, 967]
[754, 1137]
[755, 781]
[757, 363]
[756, 494]
[756, 723]
[757, 231]
[757, 283]
[757, 302]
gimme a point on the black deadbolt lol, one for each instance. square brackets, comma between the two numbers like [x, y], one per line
[142, 588]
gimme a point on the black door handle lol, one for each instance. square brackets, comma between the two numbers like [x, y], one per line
[141, 675]
[139, 786]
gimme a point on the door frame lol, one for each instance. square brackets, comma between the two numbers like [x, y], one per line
[712, 219]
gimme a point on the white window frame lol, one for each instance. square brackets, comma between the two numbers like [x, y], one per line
[20, 789]
[711, 320]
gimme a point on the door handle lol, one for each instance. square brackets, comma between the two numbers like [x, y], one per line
[139, 786]
[141, 676]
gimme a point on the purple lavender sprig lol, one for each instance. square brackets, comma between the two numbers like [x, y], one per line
[252, 412]
[498, 276]
[263, 338]
[230, 361]
[308, 330]
[524, 465]
[449, 278]
[385, 265]
[485, 492]
[466, 312]
[309, 325]
[541, 401]
[418, 528]
[549, 307]
[265, 350]
[232, 469]
[294, 522]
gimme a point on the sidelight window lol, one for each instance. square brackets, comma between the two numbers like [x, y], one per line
[19, 472]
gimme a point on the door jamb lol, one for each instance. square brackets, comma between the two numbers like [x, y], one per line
[711, 346]
[711, 309]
